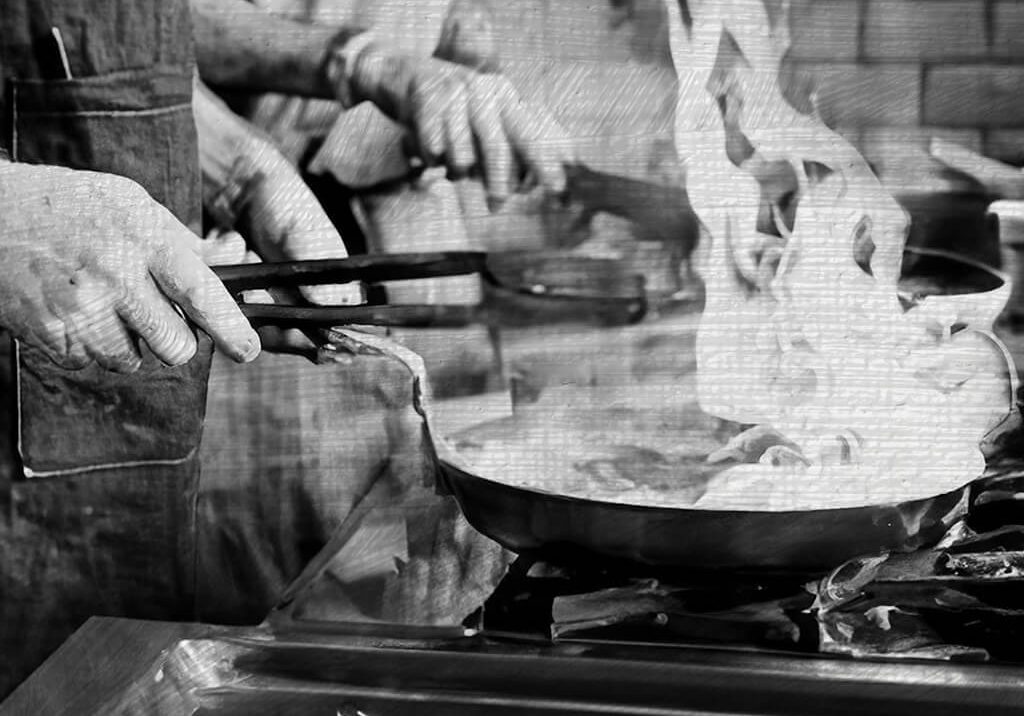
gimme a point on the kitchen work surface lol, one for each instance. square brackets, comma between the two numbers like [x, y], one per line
[126, 667]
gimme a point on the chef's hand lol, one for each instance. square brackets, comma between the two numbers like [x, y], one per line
[251, 187]
[458, 117]
[264, 211]
[91, 264]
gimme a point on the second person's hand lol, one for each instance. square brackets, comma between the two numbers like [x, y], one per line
[251, 187]
[458, 117]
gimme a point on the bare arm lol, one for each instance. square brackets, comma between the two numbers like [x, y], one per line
[248, 185]
[244, 47]
[456, 116]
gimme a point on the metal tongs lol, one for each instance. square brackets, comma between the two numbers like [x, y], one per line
[610, 302]
[367, 269]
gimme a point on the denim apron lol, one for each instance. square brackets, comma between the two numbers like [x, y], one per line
[98, 472]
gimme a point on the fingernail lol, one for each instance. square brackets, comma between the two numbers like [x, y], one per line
[252, 348]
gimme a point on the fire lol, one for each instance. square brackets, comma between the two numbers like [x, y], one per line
[858, 399]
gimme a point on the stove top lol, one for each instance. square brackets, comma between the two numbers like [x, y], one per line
[961, 600]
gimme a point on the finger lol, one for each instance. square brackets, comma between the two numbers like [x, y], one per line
[539, 138]
[186, 280]
[258, 296]
[48, 329]
[92, 331]
[98, 330]
[108, 342]
[349, 294]
[458, 135]
[223, 248]
[499, 170]
[430, 130]
[55, 340]
[308, 237]
[148, 313]
[288, 223]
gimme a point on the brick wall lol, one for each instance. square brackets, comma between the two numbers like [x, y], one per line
[891, 73]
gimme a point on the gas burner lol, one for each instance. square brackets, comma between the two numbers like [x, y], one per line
[958, 600]
[588, 602]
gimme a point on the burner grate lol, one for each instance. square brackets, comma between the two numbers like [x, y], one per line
[962, 599]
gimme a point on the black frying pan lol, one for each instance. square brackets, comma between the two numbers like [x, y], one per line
[560, 527]
[568, 528]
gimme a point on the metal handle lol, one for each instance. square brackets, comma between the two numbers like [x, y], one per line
[304, 317]
[369, 269]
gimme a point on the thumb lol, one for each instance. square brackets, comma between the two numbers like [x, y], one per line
[223, 248]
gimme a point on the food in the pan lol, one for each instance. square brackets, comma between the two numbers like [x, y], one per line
[638, 444]
[649, 443]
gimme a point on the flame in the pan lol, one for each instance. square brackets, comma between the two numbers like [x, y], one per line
[804, 332]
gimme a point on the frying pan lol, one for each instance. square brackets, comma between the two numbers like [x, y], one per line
[563, 528]
[560, 527]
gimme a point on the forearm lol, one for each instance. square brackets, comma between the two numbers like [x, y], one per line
[232, 155]
[240, 46]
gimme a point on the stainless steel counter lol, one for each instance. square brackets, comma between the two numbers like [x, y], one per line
[126, 667]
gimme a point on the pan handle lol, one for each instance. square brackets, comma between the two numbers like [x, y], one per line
[369, 269]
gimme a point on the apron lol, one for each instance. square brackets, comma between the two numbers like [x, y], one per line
[98, 471]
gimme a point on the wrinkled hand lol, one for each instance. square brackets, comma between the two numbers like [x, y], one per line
[462, 118]
[249, 186]
[92, 264]
[283, 221]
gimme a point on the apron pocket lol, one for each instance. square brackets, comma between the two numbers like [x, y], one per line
[90, 419]
[137, 124]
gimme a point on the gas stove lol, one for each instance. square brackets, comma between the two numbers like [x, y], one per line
[961, 600]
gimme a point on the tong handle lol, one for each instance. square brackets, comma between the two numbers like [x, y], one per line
[412, 316]
[369, 269]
